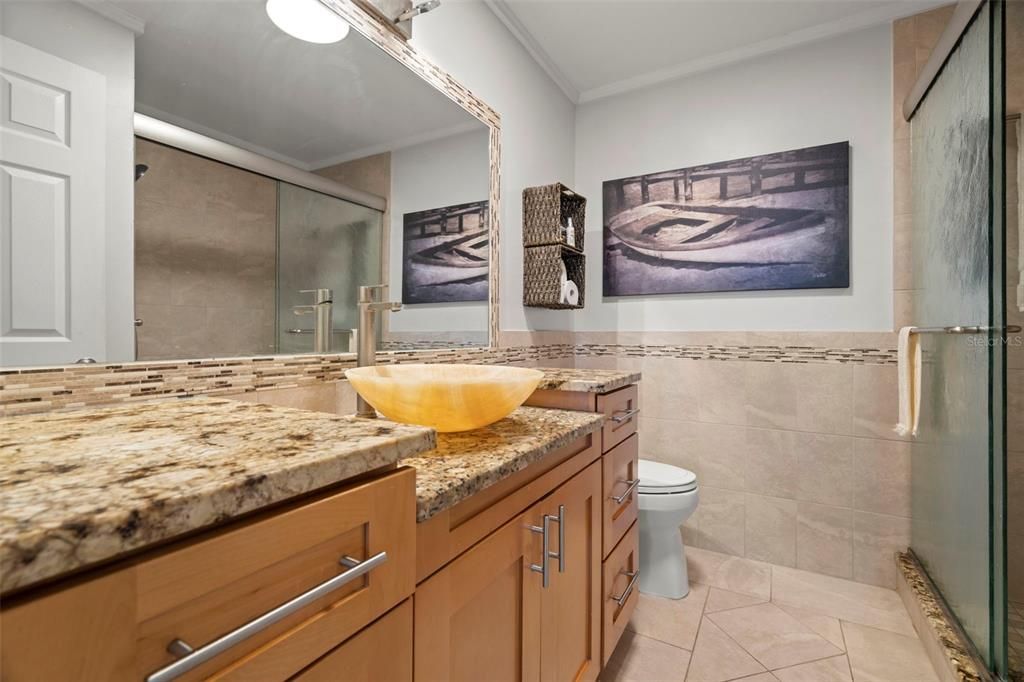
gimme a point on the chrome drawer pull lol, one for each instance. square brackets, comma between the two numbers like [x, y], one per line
[624, 415]
[632, 486]
[633, 577]
[545, 530]
[192, 658]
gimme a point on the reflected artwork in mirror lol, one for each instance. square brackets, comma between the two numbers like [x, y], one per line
[238, 186]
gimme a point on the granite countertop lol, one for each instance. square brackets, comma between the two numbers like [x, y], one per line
[465, 463]
[78, 488]
[585, 380]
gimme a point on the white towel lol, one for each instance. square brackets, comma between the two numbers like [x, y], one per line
[908, 358]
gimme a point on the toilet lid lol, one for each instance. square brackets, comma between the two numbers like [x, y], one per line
[656, 477]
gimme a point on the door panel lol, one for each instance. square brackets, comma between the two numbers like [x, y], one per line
[52, 169]
[479, 617]
[570, 606]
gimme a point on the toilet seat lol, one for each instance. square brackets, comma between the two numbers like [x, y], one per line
[657, 478]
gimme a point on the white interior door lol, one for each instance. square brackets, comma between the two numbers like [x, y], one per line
[52, 211]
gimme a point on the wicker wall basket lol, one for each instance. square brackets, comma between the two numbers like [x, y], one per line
[542, 276]
[546, 209]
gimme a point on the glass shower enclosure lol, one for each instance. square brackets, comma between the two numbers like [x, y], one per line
[323, 243]
[958, 456]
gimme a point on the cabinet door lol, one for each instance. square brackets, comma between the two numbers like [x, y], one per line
[570, 606]
[479, 617]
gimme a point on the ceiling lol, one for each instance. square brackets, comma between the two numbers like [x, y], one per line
[597, 48]
[221, 68]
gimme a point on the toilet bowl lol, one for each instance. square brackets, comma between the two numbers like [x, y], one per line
[668, 496]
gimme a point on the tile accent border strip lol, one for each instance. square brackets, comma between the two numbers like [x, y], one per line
[943, 638]
[753, 353]
[31, 390]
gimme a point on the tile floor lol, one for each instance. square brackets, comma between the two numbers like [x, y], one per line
[752, 621]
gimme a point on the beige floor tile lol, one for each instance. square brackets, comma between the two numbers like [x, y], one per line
[826, 626]
[729, 572]
[760, 677]
[880, 656]
[772, 636]
[673, 621]
[843, 599]
[717, 658]
[641, 659]
[835, 669]
[722, 600]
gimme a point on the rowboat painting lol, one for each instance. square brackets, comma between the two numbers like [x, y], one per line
[778, 221]
[445, 254]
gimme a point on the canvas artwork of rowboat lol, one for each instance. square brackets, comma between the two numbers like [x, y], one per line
[445, 254]
[778, 221]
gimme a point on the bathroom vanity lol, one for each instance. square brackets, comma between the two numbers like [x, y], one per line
[210, 538]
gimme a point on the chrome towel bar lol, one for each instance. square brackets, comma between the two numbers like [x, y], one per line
[963, 329]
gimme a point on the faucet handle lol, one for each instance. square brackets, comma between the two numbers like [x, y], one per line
[367, 294]
[319, 295]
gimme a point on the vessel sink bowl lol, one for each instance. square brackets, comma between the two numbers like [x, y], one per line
[446, 397]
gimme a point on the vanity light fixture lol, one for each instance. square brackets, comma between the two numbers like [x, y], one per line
[307, 20]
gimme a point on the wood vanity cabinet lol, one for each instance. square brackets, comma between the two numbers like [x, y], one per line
[620, 451]
[488, 615]
[118, 625]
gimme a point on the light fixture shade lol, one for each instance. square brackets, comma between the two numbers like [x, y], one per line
[307, 20]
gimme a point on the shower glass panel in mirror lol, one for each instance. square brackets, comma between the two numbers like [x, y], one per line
[232, 188]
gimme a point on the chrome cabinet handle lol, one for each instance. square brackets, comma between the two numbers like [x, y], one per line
[624, 415]
[560, 520]
[545, 530]
[633, 577]
[192, 658]
[632, 486]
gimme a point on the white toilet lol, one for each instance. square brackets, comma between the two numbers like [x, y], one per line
[668, 495]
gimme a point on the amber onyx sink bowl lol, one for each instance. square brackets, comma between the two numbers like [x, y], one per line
[446, 397]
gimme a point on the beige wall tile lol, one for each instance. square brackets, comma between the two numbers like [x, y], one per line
[721, 526]
[772, 463]
[721, 451]
[345, 398]
[824, 539]
[876, 539]
[722, 391]
[824, 468]
[316, 398]
[875, 401]
[671, 442]
[671, 388]
[881, 476]
[770, 529]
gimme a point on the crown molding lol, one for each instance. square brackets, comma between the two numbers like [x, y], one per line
[116, 14]
[874, 17]
[508, 17]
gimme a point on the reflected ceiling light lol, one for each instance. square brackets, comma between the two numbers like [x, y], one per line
[307, 20]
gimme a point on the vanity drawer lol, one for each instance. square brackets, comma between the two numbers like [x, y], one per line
[621, 590]
[621, 500]
[213, 586]
[382, 651]
[621, 408]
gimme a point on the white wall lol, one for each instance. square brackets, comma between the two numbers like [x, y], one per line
[469, 42]
[445, 172]
[78, 35]
[830, 91]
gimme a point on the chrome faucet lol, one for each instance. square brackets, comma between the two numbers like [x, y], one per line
[366, 355]
[322, 307]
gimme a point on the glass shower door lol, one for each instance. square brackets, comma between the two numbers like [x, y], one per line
[958, 457]
[323, 243]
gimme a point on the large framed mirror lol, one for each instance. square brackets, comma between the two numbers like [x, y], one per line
[189, 179]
